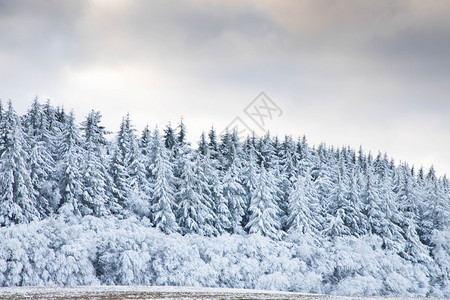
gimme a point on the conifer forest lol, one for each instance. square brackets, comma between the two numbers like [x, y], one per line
[80, 205]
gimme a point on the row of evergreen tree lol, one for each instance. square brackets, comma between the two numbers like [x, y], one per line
[267, 185]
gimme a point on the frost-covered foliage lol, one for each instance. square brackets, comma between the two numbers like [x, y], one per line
[258, 213]
[91, 250]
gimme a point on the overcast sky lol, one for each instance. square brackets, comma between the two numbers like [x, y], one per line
[370, 73]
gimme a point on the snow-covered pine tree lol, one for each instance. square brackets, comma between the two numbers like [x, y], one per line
[435, 209]
[230, 148]
[181, 135]
[249, 178]
[340, 199]
[17, 194]
[234, 193]
[264, 213]
[304, 156]
[41, 162]
[136, 170]
[51, 131]
[300, 218]
[170, 139]
[130, 157]
[42, 169]
[120, 187]
[213, 194]
[180, 148]
[162, 184]
[266, 151]
[213, 144]
[289, 161]
[32, 121]
[371, 200]
[408, 205]
[356, 220]
[96, 180]
[202, 144]
[336, 227]
[226, 149]
[391, 232]
[414, 250]
[194, 215]
[145, 146]
[146, 142]
[70, 179]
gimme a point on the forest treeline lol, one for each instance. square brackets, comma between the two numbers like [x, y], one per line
[51, 167]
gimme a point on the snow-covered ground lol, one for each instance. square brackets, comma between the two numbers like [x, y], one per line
[157, 292]
[141, 292]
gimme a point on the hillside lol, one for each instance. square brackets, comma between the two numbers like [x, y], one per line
[266, 213]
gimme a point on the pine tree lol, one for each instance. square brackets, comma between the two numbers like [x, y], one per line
[120, 188]
[170, 139]
[70, 179]
[234, 193]
[162, 181]
[214, 194]
[336, 227]
[391, 232]
[415, 251]
[129, 160]
[194, 213]
[249, 180]
[266, 151]
[17, 195]
[213, 144]
[145, 146]
[181, 138]
[436, 209]
[146, 142]
[42, 170]
[226, 150]
[340, 199]
[264, 212]
[180, 148]
[355, 219]
[32, 121]
[323, 173]
[41, 162]
[371, 200]
[304, 156]
[203, 144]
[51, 131]
[94, 168]
[300, 217]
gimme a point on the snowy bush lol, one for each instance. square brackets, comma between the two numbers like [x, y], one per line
[129, 252]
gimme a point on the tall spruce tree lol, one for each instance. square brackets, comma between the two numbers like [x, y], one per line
[129, 159]
[96, 179]
[300, 218]
[69, 166]
[234, 193]
[194, 212]
[41, 162]
[264, 212]
[162, 183]
[17, 194]
[213, 194]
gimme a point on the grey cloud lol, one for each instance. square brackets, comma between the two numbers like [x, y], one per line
[345, 64]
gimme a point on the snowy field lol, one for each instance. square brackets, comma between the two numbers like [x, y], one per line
[154, 292]
[140, 292]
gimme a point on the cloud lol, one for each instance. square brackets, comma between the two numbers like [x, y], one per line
[370, 72]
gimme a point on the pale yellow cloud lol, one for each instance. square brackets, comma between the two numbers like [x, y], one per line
[369, 17]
